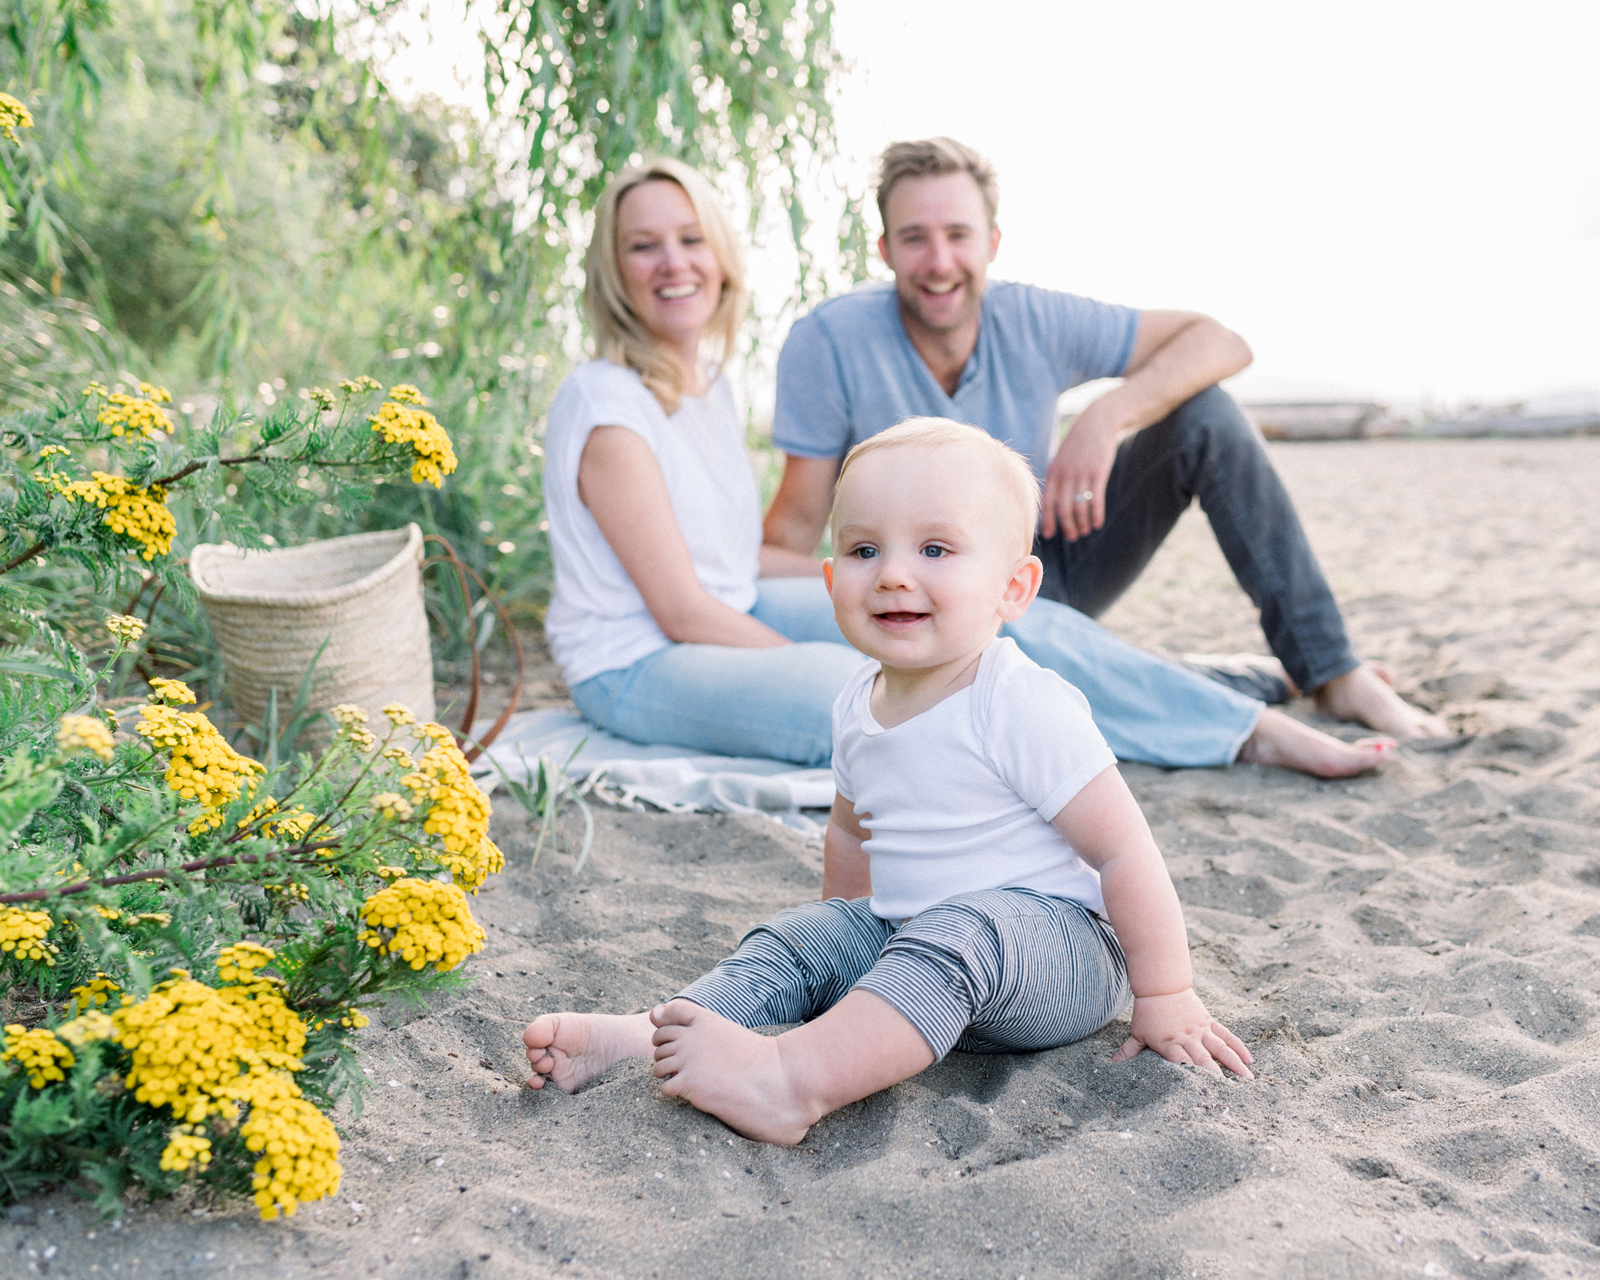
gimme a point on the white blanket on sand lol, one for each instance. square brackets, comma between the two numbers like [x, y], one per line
[626, 773]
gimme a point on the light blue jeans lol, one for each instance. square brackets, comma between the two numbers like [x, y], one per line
[778, 703]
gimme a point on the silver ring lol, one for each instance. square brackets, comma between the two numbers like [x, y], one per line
[1086, 496]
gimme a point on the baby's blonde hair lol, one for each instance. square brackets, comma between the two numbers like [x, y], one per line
[1016, 476]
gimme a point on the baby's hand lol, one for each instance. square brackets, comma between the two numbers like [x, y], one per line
[1178, 1027]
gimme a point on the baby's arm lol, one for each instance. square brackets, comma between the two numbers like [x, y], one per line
[1104, 824]
[846, 868]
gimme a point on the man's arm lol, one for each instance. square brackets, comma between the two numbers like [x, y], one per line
[799, 510]
[1176, 355]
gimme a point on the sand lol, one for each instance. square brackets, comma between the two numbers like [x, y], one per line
[1412, 957]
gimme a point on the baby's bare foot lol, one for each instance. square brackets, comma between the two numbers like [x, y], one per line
[1283, 741]
[1367, 695]
[570, 1049]
[728, 1071]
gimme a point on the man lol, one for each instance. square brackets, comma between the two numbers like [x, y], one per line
[944, 342]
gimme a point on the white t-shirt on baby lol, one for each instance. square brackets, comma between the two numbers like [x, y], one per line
[960, 797]
[597, 620]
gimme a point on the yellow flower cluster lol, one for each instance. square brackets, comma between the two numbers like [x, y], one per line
[13, 116]
[405, 393]
[95, 992]
[190, 1043]
[389, 804]
[458, 812]
[299, 1146]
[201, 765]
[87, 1028]
[140, 514]
[239, 962]
[204, 1051]
[399, 714]
[355, 386]
[404, 424]
[141, 414]
[277, 1033]
[84, 733]
[423, 922]
[186, 1043]
[38, 1053]
[22, 934]
[185, 1148]
[321, 397]
[173, 691]
[123, 628]
[351, 719]
[293, 823]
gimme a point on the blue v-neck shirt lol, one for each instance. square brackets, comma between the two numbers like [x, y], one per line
[848, 370]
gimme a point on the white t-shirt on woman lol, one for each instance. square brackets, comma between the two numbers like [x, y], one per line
[961, 797]
[597, 619]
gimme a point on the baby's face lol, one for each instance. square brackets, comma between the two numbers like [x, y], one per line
[926, 555]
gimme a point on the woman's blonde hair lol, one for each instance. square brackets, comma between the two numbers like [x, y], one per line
[618, 334]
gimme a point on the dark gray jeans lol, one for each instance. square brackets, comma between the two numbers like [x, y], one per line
[1207, 449]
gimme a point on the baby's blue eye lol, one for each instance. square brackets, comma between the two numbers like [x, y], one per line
[864, 553]
[933, 553]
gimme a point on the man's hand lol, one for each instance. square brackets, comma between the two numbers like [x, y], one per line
[1075, 485]
[1176, 354]
[1178, 1027]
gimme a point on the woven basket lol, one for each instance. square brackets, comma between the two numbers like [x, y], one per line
[272, 610]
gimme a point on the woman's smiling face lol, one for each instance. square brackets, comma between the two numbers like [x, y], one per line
[670, 273]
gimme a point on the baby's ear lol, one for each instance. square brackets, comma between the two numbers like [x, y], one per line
[827, 573]
[1026, 579]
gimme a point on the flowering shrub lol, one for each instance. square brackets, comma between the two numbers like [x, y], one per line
[93, 476]
[200, 1015]
[197, 932]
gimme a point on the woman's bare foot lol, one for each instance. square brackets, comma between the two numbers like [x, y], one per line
[1283, 741]
[570, 1049]
[1366, 695]
[728, 1071]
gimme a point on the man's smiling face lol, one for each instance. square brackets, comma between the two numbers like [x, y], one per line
[938, 242]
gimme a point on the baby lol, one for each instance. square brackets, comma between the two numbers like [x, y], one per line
[989, 883]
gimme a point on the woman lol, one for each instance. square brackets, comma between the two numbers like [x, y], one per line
[673, 623]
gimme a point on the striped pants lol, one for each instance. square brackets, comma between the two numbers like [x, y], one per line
[997, 971]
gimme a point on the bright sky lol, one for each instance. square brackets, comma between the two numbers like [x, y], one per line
[1399, 199]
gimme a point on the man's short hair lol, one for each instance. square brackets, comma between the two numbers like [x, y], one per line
[1016, 476]
[929, 158]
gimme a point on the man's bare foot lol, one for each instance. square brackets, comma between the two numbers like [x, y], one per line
[728, 1071]
[1367, 695]
[1283, 741]
[570, 1049]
